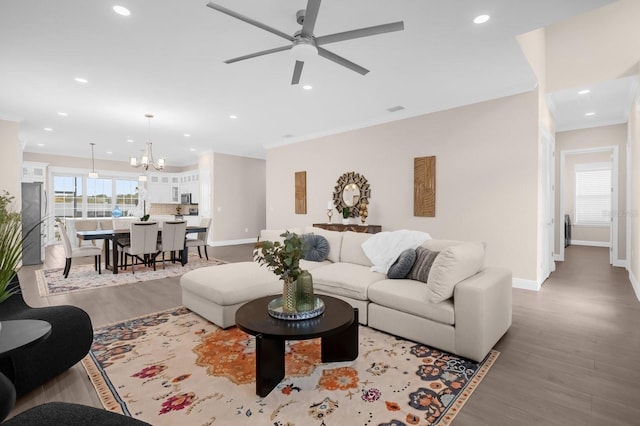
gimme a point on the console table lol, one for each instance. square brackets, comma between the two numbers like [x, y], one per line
[369, 229]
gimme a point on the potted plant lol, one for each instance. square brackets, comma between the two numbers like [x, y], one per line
[11, 241]
[284, 260]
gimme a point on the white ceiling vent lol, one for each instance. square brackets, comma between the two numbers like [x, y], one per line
[395, 108]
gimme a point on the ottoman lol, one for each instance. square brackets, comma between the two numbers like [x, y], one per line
[216, 292]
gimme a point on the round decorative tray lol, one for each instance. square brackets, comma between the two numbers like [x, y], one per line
[275, 310]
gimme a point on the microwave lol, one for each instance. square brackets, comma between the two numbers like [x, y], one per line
[185, 198]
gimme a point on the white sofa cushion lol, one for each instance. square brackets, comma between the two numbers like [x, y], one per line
[333, 237]
[309, 265]
[345, 279]
[409, 296]
[452, 265]
[351, 251]
[275, 234]
[232, 283]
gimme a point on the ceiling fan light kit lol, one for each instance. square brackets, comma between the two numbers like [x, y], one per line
[304, 44]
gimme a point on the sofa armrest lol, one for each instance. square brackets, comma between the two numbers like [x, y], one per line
[482, 306]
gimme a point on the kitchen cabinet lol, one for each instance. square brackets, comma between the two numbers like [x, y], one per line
[190, 183]
[34, 172]
[165, 188]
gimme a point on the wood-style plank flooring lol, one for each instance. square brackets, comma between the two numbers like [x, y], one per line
[570, 357]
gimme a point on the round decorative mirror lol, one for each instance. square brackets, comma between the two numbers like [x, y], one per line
[351, 190]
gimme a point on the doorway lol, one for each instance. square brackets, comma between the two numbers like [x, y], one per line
[612, 152]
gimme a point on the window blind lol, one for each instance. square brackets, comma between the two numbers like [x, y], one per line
[593, 196]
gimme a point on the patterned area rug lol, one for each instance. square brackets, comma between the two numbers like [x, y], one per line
[176, 368]
[84, 277]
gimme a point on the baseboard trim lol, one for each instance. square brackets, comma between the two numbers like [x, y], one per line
[634, 284]
[558, 258]
[233, 242]
[621, 263]
[590, 243]
[525, 284]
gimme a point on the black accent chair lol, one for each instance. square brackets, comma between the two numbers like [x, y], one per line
[57, 413]
[70, 340]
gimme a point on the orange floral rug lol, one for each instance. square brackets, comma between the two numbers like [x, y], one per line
[174, 367]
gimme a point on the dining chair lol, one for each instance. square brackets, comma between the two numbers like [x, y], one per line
[172, 239]
[143, 240]
[201, 238]
[71, 252]
[123, 223]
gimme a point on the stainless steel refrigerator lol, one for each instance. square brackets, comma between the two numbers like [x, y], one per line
[33, 211]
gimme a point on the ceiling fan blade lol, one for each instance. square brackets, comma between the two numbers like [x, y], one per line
[249, 20]
[362, 32]
[341, 61]
[297, 72]
[256, 54]
[310, 16]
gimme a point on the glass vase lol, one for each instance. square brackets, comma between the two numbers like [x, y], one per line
[289, 296]
[305, 300]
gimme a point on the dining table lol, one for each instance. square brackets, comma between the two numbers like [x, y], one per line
[114, 235]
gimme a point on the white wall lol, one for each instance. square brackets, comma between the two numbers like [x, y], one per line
[10, 173]
[633, 214]
[486, 176]
[239, 198]
[600, 45]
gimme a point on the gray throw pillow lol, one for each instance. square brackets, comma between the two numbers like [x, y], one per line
[402, 266]
[316, 248]
[422, 266]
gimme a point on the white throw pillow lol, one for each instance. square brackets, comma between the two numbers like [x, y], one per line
[454, 264]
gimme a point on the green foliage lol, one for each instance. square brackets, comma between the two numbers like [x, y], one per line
[11, 241]
[282, 258]
[144, 218]
[345, 212]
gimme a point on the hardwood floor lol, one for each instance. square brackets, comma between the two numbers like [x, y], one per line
[570, 357]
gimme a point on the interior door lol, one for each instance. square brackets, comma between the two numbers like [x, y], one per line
[547, 199]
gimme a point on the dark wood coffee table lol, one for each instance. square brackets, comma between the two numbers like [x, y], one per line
[337, 327]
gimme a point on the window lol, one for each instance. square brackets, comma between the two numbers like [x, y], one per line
[67, 201]
[126, 195]
[99, 196]
[593, 194]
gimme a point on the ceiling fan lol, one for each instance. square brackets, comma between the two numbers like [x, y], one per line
[305, 42]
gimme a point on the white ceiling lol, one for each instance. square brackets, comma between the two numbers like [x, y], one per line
[167, 59]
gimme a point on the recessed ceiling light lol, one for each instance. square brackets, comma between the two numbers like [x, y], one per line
[109, 152]
[307, 87]
[589, 114]
[81, 80]
[192, 149]
[40, 144]
[584, 92]
[130, 140]
[63, 114]
[121, 10]
[481, 19]
[233, 117]
[48, 129]
[187, 135]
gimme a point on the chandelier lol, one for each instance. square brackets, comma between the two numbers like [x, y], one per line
[147, 157]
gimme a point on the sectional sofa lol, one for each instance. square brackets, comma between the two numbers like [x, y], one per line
[463, 308]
